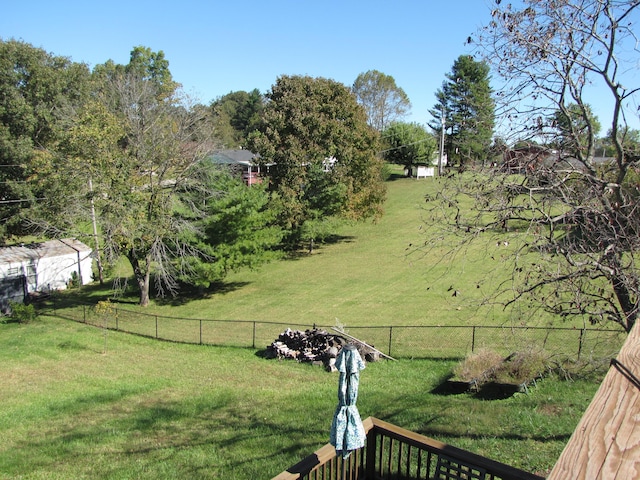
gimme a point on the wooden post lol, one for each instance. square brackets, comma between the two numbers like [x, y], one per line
[372, 446]
[606, 442]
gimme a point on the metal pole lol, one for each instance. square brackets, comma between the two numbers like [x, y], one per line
[253, 345]
[473, 339]
[441, 156]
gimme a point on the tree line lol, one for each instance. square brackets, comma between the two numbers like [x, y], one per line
[117, 155]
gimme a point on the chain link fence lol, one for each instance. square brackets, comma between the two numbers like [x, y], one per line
[394, 341]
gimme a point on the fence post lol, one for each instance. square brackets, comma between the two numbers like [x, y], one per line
[200, 332]
[390, 339]
[84, 313]
[156, 326]
[581, 342]
[253, 343]
[473, 339]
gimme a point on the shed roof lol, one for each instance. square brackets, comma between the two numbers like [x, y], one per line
[244, 157]
[34, 251]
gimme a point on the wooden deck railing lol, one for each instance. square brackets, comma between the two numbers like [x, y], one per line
[392, 452]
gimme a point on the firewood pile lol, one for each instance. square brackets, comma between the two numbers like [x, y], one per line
[314, 346]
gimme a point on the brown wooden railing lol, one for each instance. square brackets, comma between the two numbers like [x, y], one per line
[392, 452]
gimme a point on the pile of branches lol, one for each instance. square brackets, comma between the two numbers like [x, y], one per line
[312, 345]
[317, 346]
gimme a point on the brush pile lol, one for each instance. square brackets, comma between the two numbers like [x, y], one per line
[312, 345]
[316, 346]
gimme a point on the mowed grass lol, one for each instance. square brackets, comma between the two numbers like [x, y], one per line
[375, 274]
[159, 410]
[155, 410]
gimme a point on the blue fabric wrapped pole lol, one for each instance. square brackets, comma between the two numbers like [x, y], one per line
[347, 432]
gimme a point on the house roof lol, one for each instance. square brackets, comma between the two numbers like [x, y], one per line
[35, 251]
[230, 157]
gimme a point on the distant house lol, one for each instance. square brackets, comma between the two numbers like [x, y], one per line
[527, 159]
[42, 267]
[240, 162]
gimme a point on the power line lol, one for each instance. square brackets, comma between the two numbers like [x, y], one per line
[21, 200]
[405, 145]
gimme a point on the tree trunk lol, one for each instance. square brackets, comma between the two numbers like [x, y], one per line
[142, 276]
[144, 289]
[629, 308]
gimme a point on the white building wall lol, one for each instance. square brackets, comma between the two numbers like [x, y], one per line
[54, 273]
[48, 266]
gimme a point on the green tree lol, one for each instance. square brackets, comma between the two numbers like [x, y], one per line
[149, 66]
[322, 153]
[577, 129]
[409, 144]
[629, 138]
[469, 112]
[39, 94]
[91, 151]
[137, 192]
[237, 229]
[236, 115]
[381, 98]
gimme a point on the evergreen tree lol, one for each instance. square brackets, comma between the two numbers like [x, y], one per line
[468, 107]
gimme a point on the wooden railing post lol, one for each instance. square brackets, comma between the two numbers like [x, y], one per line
[371, 448]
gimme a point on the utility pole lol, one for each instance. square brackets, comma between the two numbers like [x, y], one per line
[95, 234]
[441, 157]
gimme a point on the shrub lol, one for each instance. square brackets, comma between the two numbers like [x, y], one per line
[22, 313]
[489, 366]
[522, 367]
[476, 364]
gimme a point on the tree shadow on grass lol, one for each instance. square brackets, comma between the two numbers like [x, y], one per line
[303, 250]
[396, 176]
[189, 293]
[165, 437]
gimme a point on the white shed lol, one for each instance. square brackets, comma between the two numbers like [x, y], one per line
[48, 265]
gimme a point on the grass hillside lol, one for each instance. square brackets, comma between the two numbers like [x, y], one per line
[372, 275]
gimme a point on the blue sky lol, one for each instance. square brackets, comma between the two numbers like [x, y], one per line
[215, 47]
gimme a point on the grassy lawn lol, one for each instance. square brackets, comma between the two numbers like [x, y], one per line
[372, 276]
[156, 410]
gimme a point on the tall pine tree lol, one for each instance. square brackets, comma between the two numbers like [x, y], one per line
[469, 112]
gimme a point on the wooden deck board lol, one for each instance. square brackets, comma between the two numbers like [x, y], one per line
[606, 442]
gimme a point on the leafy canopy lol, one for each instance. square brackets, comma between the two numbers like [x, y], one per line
[320, 151]
[408, 144]
[381, 98]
